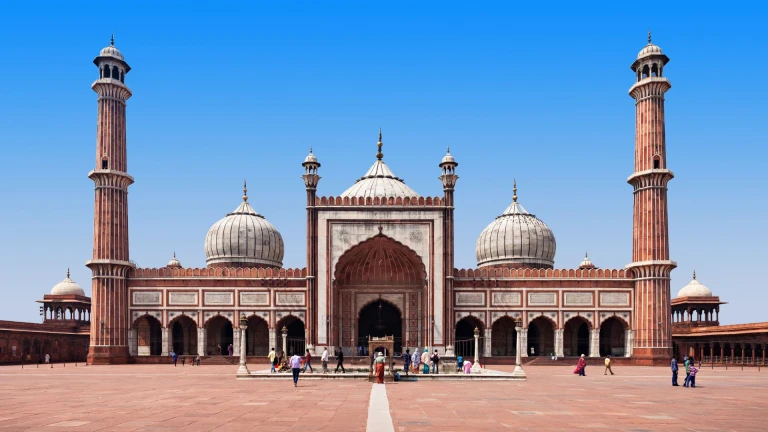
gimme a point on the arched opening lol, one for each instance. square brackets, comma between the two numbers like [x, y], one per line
[25, 348]
[465, 337]
[67, 314]
[576, 337]
[541, 337]
[378, 319]
[58, 314]
[655, 70]
[48, 349]
[257, 337]
[219, 334]
[149, 337]
[612, 337]
[296, 341]
[184, 336]
[122, 76]
[646, 71]
[107, 73]
[503, 337]
[656, 162]
[384, 268]
[115, 72]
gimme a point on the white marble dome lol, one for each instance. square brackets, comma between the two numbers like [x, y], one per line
[244, 238]
[380, 182]
[695, 289]
[111, 51]
[67, 287]
[174, 262]
[650, 49]
[516, 239]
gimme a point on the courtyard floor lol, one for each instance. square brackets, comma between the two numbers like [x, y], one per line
[164, 398]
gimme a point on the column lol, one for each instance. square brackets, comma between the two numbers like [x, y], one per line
[487, 343]
[201, 342]
[559, 342]
[594, 342]
[235, 342]
[476, 364]
[284, 332]
[243, 369]
[519, 372]
[165, 341]
[133, 342]
[523, 338]
[628, 343]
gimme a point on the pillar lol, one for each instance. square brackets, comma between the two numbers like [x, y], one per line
[594, 342]
[284, 332]
[524, 341]
[201, 342]
[133, 348]
[273, 339]
[559, 342]
[243, 368]
[487, 343]
[628, 343]
[519, 372]
[236, 342]
[476, 364]
[166, 343]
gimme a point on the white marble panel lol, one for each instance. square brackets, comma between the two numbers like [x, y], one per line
[578, 298]
[614, 299]
[254, 298]
[541, 299]
[182, 298]
[217, 298]
[505, 299]
[470, 299]
[146, 298]
[290, 299]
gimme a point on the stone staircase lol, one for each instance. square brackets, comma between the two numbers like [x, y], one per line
[217, 360]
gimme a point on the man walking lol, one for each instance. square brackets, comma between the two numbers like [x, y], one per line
[340, 361]
[436, 362]
[324, 359]
[674, 372]
[308, 363]
[295, 362]
[272, 357]
[608, 365]
[406, 361]
[687, 371]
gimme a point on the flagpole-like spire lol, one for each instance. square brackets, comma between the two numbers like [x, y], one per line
[379, 155]
[245, 191]
[514, 190]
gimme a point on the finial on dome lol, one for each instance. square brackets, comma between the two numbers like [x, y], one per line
[586, 255]
[514, 190]
[245, 191]
[448, 150]
[694, 274]
[174, 254]
[310, 149]
[112, 41]
[649, 37]
[67, 272]
[379, 155]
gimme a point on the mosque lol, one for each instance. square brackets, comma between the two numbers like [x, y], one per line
[380, 261]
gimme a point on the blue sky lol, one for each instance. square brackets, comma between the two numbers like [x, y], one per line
[539, 93]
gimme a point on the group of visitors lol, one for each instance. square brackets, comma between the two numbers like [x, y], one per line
[581, 366]
[175, 357]
[281, 363]
[690, 371]
[428, 363]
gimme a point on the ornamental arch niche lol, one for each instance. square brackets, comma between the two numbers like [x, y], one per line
[257, 336]
[149, 337]
[219, 335]
[541, 337]
[576, 337]
[613, 337]
[295, 342]
[379, 271]
[464, 344]
[504, 337]
[184, 335]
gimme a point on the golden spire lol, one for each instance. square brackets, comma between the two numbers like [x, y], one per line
[379, 155]
[112, 41]
[245, 191]
[649, 37]
[514, 190]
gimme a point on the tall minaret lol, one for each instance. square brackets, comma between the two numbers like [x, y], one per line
[651, 266]
[448, 177]
[311, 179]
[110, 263]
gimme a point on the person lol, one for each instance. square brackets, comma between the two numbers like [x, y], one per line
[272, 356]
[425, 360]
[581, 366]
[406, 361]
[415, 360]
[308, 363]
[436, 362]
[218, 349]
[295, 363]
[183, 360]
[673, 365]
[282, 362]
[340, 362]
[380, 359]
[467, 367]
[324, 360]
[230, 349]
[360, 350]
[197, 360]
[532, 352]
[459, 363]
[174, 357]
[694, 370]
[47, 358]
[608, 365]
[687, 371]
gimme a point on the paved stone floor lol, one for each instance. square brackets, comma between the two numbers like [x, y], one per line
[163, 398]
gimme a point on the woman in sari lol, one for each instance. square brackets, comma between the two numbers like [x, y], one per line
[467, 367]
[415, 360]
[581, 366]
[380, 368]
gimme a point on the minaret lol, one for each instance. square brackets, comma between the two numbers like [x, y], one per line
[311, 179]
[651, 266]
[110, 263]
[448, 167]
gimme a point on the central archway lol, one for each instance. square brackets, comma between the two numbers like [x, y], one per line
[378, 319]
[541, 337]
[379, 271]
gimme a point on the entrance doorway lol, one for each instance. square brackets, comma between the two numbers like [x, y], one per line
[378, 319]
[465, 337]
[504, 337]
[576, 337]
[541, 337]
[219, 332]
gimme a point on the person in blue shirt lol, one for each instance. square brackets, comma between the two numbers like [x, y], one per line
[674, 372]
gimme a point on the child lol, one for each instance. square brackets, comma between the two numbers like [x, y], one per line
[692, 377]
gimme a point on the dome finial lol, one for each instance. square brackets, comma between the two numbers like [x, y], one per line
[649, 37]
[514, 190]
[586, 255]
[379, 154]
[67, 272]
[694, 274]
[310, 149]
[245, 191]
[174, 254]
[112, 41]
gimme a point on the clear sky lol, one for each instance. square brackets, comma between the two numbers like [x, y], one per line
[517, 89]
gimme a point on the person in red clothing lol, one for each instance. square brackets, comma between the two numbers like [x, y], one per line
[308, 363]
